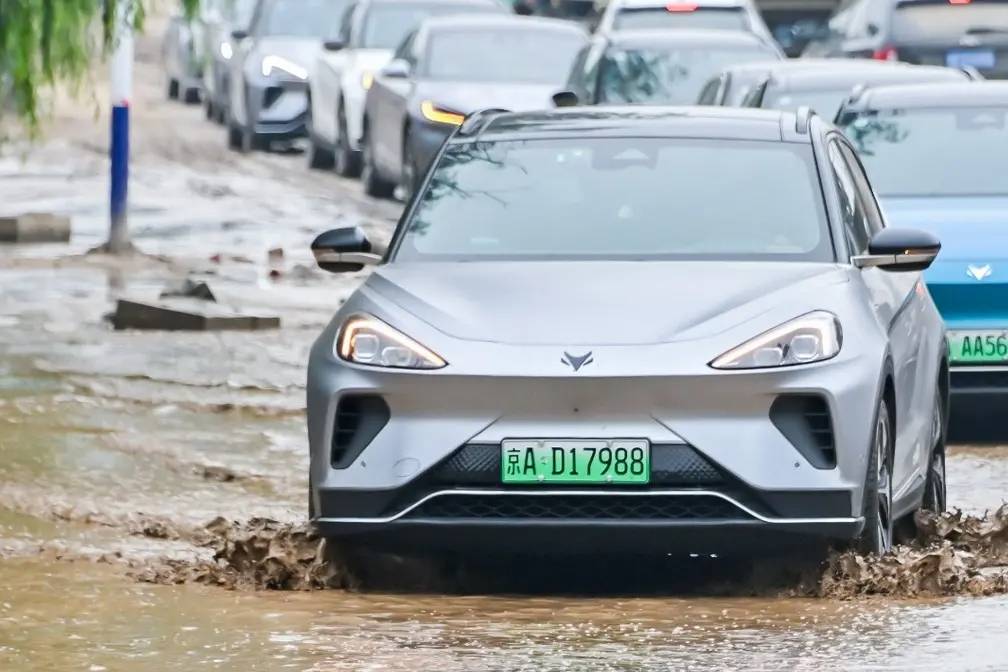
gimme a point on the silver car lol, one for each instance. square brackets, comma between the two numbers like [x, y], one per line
[634, 330]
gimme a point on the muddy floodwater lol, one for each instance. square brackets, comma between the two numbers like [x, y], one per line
[129, 460]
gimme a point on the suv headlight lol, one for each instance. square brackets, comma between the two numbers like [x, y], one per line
[271, 63]
[813, 337]
[364, 339]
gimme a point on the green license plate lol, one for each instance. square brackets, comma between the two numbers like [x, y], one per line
[575, 461]
[978, 347]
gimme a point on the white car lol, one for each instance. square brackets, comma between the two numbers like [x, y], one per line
[657, 14]
[370, 31]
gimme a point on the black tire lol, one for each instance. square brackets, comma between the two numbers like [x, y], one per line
[879, 530]
[935, 488]
[234, 136]
[320, 157]
[410, 179]
[173, 88]
[347, 161]
[191, 96]
[374, 185]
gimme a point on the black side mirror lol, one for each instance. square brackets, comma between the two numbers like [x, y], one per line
[344, 250]
[239, 35]
[565, 99]
[397, 69]
[899, 250]
[332, 45]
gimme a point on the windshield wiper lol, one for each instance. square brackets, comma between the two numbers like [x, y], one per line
[985, 30]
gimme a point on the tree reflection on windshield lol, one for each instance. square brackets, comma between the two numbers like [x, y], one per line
[866, 131]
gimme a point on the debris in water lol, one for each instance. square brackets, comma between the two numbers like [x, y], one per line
[258, 554]
[189, 288]
[954, 554]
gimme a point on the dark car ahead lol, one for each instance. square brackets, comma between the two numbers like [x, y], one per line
[826, 87]
[452, 66]
[661, 67]
[938, 157]
[268, 79]
[957, 33]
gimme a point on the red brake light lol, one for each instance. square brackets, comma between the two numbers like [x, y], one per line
[886, 54]
[960, 2]
[681, 7]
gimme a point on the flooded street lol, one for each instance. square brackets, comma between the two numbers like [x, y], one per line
[118, 448]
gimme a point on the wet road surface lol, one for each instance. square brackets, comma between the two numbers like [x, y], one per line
[117, 448]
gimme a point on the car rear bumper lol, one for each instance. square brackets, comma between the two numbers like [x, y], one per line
[969, 383]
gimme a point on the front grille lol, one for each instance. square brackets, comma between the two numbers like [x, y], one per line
[671, 464]
[577, 507]
[961, 378]
[805, 421]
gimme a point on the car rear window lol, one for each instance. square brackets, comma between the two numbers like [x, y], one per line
[938, 20]
[302, 18]
[668, 76]
[386, 25]
[619, 198]
[485, 54]
[933, 152]
[681, 16]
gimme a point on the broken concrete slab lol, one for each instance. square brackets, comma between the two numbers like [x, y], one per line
[187, 315]
[189, 288]
[35, 227]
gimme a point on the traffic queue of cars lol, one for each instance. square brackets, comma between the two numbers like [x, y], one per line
[524, 366]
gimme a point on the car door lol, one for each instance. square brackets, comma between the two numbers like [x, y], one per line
[892, 295]
[390, 110]
[920, 370]
[325, 82]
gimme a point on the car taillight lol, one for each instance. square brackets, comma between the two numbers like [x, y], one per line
[681, 7]
[886, 54]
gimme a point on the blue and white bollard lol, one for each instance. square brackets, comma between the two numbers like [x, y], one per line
[121, 84]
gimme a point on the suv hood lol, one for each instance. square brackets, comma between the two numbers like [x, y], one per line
[597, 302]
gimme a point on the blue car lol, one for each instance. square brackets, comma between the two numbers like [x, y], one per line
[937, 155]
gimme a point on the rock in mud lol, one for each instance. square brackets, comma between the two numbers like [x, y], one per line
[258, 554]
[954, 554]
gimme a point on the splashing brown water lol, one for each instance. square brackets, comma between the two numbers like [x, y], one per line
[954, 554]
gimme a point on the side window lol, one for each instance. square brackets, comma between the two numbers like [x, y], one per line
[346, 26]
[754, 97]
[867, 195]
[575, 82]
[855, 220]
[591, 71]
[708, 95]
[405, 50]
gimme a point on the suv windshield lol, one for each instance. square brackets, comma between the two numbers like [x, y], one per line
[933, 152]
[302, 18]
[386, 25]
[671, 76]
[619, 198]
[928, 20]
[681, 16]
[503, 55]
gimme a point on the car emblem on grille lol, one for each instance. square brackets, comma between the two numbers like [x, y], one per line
[979, 272]
[576, 362]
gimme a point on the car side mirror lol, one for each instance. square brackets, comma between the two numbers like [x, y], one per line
[565, 99]
[239, 35]
[397, 69]
[899, 250]
[344, 250]
[333, 45]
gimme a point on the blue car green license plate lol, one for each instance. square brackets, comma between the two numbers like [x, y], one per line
[978, 347]
[576, 461]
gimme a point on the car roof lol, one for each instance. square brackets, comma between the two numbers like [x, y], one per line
[435, 2]
[632, 120]
[698, 37]
[642, 4]
[965, 94]
[482, 21]
[812, 79]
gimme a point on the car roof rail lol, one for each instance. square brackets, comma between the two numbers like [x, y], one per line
[476, 121]
[802, 119]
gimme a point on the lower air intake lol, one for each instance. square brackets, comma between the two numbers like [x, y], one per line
[577, 507]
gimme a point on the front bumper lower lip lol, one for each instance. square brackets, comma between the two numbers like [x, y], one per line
[848, 521]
